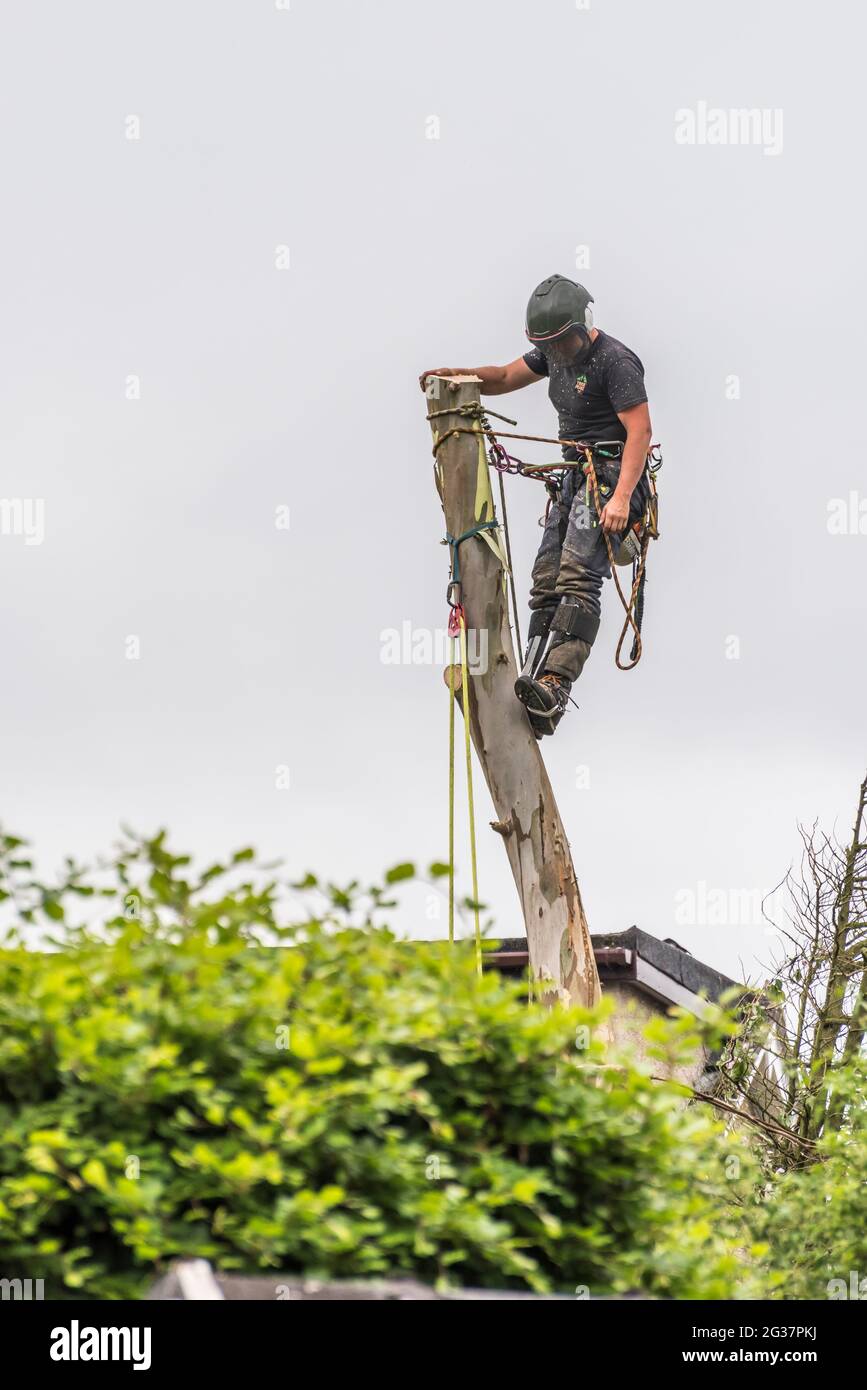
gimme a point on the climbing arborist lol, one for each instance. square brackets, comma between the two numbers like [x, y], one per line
[596, 385]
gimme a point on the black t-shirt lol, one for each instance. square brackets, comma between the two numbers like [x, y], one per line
[587, 395]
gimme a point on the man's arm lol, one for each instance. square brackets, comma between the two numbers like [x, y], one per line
[615, 513]
[496, 381]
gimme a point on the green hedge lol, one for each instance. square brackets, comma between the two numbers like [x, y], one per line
[340, 1103]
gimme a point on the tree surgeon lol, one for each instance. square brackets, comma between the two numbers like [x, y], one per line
[596, 385]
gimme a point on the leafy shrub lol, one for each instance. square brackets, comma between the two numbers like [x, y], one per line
[814, 1221]
[189, 1074]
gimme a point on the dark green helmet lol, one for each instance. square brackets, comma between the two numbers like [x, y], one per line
[555, 307]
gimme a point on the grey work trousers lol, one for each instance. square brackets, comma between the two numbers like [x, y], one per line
[572, 561]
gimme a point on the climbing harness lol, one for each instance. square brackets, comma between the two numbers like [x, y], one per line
[633, 546]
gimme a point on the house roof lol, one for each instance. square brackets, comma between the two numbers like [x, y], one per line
[664, 970]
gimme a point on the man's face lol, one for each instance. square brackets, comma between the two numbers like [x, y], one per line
[567, 348]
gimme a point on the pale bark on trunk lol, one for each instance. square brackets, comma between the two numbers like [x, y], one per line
[528, 821]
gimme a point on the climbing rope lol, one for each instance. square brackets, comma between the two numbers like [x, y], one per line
[505, 515]
[634, 607]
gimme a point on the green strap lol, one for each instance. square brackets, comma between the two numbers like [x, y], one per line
[465, 694]
[455, 542]
[452, 796]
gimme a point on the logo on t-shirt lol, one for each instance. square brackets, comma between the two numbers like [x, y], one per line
[580, 382]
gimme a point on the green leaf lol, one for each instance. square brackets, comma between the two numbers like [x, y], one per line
[95, 1174]
[400, 872]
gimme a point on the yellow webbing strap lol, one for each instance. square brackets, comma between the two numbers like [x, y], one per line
[465, 691]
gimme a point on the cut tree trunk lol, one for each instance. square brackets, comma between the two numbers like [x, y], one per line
[528, 821]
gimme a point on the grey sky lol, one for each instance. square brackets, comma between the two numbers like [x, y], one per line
[263, 387]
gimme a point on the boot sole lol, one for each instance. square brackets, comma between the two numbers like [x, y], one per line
[527, 693]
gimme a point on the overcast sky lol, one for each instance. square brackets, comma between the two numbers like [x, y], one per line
[233, 235]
